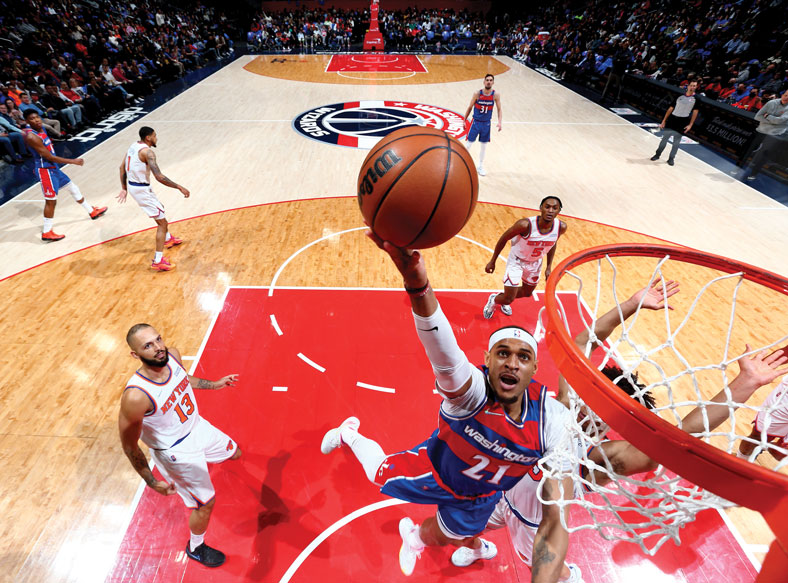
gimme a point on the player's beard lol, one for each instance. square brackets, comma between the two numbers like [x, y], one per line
[152, 362]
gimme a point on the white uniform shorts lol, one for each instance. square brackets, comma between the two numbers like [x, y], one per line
[147, 200]
[186, 465]
[777, 416]
[519, 271]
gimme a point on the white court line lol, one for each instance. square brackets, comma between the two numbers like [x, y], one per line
[188, 358]
[221, 120]
[208, 333]
[375, 387]
[331, 530]
[411, 74]
[758, 548]
[311, 363]
[564, 123]
[26, 200]
[764, 208]
[275, 324]
[279, 389]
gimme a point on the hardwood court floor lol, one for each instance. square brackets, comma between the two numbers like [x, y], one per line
[69, 490]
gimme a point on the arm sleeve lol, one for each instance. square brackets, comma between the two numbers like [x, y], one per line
[450, 365]
[557, 439]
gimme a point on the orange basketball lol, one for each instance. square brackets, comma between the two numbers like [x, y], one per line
[417, 187]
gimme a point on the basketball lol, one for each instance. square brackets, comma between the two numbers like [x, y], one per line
[417, 187]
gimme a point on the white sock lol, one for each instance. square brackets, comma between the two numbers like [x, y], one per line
[367, 452]
[157, 257]
[47, 225]
[84, 204]
[482, 150]
[195, 540]
[168, 236]
[415, 539]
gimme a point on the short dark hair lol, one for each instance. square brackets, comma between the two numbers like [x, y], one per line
[133, 331]
[628, 382]
[30, 112]
[145, 131]
[545, 199]
[490, 75]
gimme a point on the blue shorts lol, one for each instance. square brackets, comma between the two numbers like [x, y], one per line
[52, 180]
[407, 475]
[480, 129]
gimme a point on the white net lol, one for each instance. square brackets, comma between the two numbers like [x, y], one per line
[683, 358]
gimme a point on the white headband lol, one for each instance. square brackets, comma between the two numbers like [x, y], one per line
[512, 332]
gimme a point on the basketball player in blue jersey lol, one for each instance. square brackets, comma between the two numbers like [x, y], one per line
[532, 239]
[494, 425]
[52, 179]
[482, 106]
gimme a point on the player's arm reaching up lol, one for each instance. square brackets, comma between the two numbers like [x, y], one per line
[198, 383]
[551, 540]
[451, 366]
[149, 156]
[521, 227]
[133, 407]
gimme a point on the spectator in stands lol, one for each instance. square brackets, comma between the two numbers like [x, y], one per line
[751, 102]
[740, 93]
[12, 139]
[15, 113]
[70, 114]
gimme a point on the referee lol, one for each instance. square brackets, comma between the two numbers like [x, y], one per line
[677, 121]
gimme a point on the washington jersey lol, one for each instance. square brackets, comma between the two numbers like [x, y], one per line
[483, 451]
[482, 109]
[37, 159]
[137, 171]
[536, 244]
[174, 408]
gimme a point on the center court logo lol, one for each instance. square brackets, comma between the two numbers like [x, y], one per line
[360, 124]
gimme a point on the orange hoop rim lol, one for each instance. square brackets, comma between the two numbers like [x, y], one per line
[737, 480]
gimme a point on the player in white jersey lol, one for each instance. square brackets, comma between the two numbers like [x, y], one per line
[532, 239]
[771, 422]
[520, 509]
[135, 171]
[159, 408]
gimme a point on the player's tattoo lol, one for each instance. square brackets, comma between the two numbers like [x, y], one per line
[154, 167]
[203, 384]
[140, 464]
[543, 556]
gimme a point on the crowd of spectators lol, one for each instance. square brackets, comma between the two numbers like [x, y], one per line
[76, 62]
[738, 52]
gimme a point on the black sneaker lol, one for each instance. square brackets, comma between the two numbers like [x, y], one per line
[655, 157]
[206, 555]
[670, 162]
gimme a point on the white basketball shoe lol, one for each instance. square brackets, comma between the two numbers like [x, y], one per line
[506, 309]
[575, 574]
[465, 557]
[411, 547]
[481, 171]
[489, 307]
[333, 437]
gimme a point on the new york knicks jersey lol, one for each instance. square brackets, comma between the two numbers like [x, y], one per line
[482, 109]
[37, 159]
[536, 244]
[486, 451]
[137, 171]
[174, 407]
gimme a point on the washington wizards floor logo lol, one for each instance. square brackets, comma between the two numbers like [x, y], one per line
[360, 124]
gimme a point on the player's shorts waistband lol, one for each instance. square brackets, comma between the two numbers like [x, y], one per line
[173, 445]
[138, 183]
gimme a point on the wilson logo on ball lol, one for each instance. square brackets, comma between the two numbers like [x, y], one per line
[361, 124]
[379, 167]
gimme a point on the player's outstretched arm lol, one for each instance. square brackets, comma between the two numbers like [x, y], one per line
[521, 227]
[34, 142]
[198, 383]
[133, 407]
[449, 363]
[754, 372]
[551, 540]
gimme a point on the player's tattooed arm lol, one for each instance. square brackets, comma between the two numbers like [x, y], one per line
[226, 381]
[154, 168]
[551, 540]
[132, 411]
[140, 464]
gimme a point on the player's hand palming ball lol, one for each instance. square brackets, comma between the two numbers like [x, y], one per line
[417, 187]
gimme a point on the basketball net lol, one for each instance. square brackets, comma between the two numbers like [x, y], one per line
[650, 509]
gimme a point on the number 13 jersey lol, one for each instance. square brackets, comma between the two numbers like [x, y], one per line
[174, 408]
